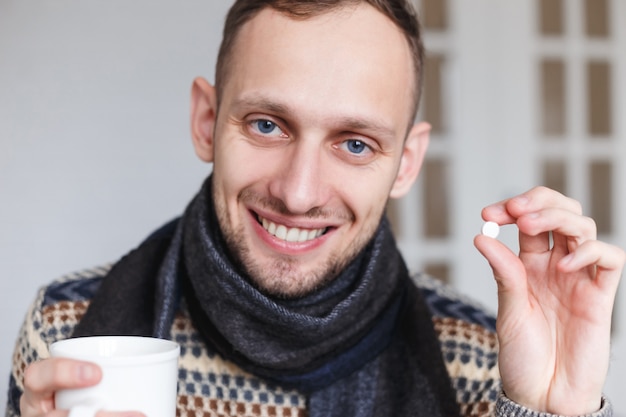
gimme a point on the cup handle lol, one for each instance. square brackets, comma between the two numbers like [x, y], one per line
[84, 410]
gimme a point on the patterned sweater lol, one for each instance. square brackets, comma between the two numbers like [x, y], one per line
[210, 386]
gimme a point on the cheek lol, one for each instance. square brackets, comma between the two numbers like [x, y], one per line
[234, 166]
[240, 161]
[366, 201]
[226, 187]
[367, 188]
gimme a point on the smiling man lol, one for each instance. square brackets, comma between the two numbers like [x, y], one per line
[282, 281]
[308, 141]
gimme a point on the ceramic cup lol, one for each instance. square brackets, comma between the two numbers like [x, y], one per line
[138, 374]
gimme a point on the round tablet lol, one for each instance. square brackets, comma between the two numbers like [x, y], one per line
[491, 229]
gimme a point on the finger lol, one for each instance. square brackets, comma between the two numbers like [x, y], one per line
[41, 408]
[52, 374]
[534, 243]
[51, 413]
[508, 210]
[101, 413]
[510, 276]
[120, 414]
[569, 230]
[608, 259]
[497, 213]
[504, 263]
[43, 378]
[540, 198]
[34, 409]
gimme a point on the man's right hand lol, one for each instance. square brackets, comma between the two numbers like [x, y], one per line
[43, 378]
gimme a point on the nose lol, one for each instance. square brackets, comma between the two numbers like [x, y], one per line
[299, 180]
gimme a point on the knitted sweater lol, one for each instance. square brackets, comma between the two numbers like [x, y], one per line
[210, 386]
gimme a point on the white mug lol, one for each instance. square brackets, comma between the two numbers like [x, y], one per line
[138, 374]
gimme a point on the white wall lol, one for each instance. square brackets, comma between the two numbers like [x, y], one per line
[95, 149]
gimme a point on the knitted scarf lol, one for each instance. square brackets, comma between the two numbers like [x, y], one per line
[363, 345]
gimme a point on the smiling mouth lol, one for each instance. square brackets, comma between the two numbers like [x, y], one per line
[290, 234]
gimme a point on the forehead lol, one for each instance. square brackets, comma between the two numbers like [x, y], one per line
[349, 59]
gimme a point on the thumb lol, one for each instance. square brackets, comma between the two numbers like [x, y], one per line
[508, 272]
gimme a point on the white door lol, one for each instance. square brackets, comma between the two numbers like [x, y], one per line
[520, 93]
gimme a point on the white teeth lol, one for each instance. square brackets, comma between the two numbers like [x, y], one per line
[281, 232]
[292, 234]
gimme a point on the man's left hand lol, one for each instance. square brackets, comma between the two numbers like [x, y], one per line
[555, 301]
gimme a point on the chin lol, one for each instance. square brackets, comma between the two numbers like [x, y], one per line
[287, 281]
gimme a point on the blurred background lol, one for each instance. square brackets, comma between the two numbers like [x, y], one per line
[95, 150]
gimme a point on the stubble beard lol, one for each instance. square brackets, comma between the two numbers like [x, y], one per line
[283, 277]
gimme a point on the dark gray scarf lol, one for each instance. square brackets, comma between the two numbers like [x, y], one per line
[363, 345]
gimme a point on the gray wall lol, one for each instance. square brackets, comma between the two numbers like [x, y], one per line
[94, 136]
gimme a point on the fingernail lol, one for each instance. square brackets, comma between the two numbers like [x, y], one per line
[498, 208]
[522, 200]
[86, 372]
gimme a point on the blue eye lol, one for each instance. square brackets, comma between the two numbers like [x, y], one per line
[265, 126]
[265, 130]
[356, 146]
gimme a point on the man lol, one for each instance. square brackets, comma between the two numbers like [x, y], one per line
[282, 282]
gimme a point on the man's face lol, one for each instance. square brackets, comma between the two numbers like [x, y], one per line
[309, 142]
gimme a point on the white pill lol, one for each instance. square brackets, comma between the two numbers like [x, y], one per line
[491, 229]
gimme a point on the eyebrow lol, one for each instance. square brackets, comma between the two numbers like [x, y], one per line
[358, 124]
[261, 103]
[348, 123]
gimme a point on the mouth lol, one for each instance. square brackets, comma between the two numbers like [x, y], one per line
[290, 234]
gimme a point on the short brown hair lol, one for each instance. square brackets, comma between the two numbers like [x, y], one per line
[401, 12]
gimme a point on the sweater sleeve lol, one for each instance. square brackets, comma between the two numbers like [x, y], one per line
[505, 407]
[29, 347]
[52, 316]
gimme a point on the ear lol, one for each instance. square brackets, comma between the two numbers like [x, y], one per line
[203, 116]
[413, 153]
